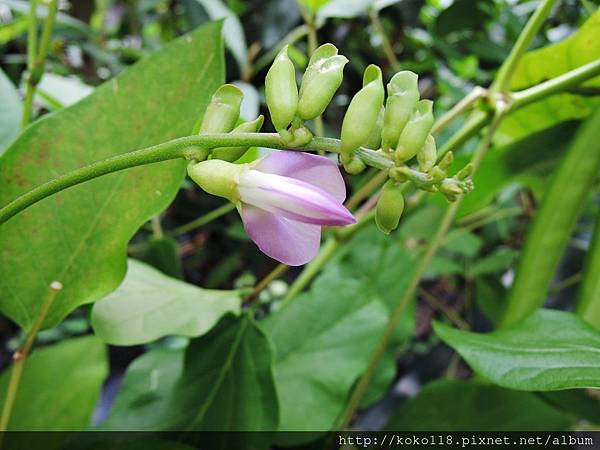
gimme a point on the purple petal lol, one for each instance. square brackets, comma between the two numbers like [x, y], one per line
[291, 198]
[313, 169]
[290, 242]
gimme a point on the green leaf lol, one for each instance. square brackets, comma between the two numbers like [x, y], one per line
[227, 383]
[59, 387]
[233, 32]
[539, 65]
[224, 383]
[452, 405]
[550, 350]
[323, 341]
[11, 111]
[554, 221]
[143, 399]
[149, 305]
[79, 236]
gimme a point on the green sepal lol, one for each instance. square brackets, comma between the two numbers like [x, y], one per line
[223, 111]
[217, 177]
[403, 95]
[321, 80]
[374, 140]
[363, 111]
[427, 155]
[415, 132]
[234, 153]
[281, 90]
[389, 207]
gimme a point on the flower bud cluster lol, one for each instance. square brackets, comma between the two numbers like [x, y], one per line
[289, 107]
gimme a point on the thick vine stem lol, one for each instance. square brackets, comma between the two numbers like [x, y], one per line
[186, 147]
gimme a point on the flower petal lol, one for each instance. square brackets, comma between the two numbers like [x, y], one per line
[290, 242]
[313, 169]
[291, 198]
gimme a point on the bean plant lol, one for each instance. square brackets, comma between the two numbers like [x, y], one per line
[370, 226]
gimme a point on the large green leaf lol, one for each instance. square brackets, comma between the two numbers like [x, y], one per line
[550, 350]
[554, 221]
[452, 405]
[323, 341]
[539, 65]
[149, 305]
[59, 387]
[224, 382]
[11, 111]
[79, 236]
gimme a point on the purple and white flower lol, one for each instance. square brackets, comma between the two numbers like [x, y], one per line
[286, 198]
[283, 199]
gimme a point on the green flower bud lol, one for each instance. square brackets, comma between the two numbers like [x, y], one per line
[389, 207]
[235, 153]
[321, 80]
[446, 161]
[223, 110]
[451, 189]
[465, 172]
[363, 111]
[415, 132]
[281, 90]
[403, 95]
[352, 164]
[217, 177]
[374, 140]
[427, 155]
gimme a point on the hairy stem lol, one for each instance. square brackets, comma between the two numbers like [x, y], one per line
[21, 354]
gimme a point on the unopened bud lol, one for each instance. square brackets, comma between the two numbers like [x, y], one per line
[281, 90]
[223, 110]
[403, 94]
[363, 111]
[389, 207]
[427, 155]
[415, 132]
[235, 153]
[321, 80]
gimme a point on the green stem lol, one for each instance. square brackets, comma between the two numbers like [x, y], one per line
[385, 42]
[535, 22]
[20, 356]
[185, 147]
[477, 93]
[279, 270]
[555, 85]
[204, 219]
[32, 34]
[36, 62]
[432, 248]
